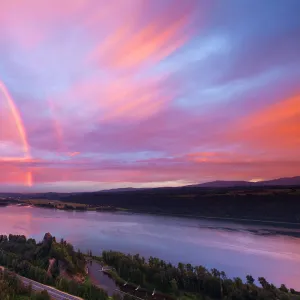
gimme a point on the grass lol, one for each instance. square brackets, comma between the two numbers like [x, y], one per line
[53, 202]
[87, 280]
[61, 205]
[123, 209]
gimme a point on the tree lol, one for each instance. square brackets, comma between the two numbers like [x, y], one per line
[215, 272]
[264, 283]
[116, 296]
[250, 279]
[284, 289]
[238, 282]
[29, 288]
[127, 297]
[43, 295]
[174, 286]
[223, 275]
[284, 297]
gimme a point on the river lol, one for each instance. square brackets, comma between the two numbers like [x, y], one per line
[268, 250]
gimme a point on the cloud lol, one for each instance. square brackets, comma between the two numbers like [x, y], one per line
[144, 92]
[275, 129]
[154, 41]
[71, 154]
[185, 169]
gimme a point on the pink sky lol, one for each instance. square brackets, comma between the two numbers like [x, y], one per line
[104, 94]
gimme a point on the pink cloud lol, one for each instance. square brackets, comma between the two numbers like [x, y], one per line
[128, 46]
[29, 24]
[112, 81]
[275, 128]
[72, 154]
[152, 170]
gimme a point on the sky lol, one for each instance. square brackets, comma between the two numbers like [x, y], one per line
[106, 94]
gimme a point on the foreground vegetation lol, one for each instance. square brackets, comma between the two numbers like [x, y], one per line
[57, 264]
[11, 288]
[48, 262]
[187, 282]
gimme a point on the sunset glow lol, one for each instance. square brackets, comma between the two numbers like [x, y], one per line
[107, 94]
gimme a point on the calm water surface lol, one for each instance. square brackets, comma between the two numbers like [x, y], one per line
[101, 279]
[238, 249]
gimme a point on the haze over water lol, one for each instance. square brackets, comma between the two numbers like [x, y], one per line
[237, 248]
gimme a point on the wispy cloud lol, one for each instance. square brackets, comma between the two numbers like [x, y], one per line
[147, 93]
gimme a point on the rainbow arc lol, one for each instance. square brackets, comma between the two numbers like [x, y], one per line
[20, 127]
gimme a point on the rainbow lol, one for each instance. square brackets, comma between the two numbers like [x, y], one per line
[20, 126]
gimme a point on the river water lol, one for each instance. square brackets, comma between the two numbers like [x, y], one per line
[259, 249]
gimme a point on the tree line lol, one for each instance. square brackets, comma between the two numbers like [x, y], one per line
[11, 288]
[196, 282]
[45, 261]
[30, 259]
[281, 203]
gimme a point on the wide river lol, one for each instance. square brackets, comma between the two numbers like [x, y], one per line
[268, 250]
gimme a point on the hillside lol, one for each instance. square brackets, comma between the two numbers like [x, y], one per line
[274, 200]
[11, 288]
[280, 182]
[276, 204]
[154, 278]
[288, 181]
[48, 262]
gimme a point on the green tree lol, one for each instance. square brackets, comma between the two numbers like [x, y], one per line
[174, 286]
[43, 295]
[284, 289]
[250, 279]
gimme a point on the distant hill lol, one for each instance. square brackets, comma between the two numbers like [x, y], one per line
[128, 189]
[272, 200]
[286, 181]
[218, 184]
[223, 184]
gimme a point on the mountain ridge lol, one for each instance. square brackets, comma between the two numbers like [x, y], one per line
[283, 181]
[217, 184]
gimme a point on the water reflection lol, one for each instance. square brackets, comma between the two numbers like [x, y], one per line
[101, 279]
[236, 248]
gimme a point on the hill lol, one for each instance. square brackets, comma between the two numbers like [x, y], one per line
[280, 182]
[49, 262]
[281, 204]
[286, 181]
[273, 200]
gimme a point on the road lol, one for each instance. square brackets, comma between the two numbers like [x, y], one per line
[132, 296]
[53, 293]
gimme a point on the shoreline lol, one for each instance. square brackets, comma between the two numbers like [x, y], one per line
[208, 217]
[177, 215]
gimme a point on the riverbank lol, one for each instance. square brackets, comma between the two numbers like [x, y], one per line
[191, 282]
[61, 205]
[267, 204]
[108, 279]
[274, 204]
[197, 216]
